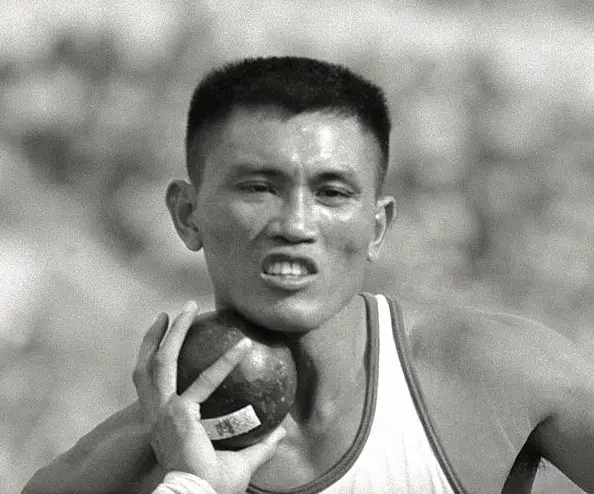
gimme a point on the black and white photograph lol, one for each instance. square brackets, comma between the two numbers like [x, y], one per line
[297, 247]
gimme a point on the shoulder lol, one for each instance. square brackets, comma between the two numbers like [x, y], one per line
[512, 356]
[503, 381]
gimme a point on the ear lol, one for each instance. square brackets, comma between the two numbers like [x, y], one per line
[181, 202]
[385, 212]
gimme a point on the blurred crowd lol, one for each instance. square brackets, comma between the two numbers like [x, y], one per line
[492, 167]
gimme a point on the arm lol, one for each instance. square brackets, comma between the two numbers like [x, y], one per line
[556, 381]
[566, 436]
[119, 455]
[110, 458]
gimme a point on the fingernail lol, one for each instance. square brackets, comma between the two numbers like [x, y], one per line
[190, 306]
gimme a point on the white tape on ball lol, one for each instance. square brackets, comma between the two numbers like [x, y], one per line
[231, 425]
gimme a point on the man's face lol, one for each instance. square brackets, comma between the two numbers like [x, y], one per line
[287, 214]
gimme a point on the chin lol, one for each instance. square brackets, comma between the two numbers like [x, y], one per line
[289, 315]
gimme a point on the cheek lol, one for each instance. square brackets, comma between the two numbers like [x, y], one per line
[351, 233]
[226, 227]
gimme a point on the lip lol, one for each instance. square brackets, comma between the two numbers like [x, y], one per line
[284, 282]
[287, 283]
[311, 265]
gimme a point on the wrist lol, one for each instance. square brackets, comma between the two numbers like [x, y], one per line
[186, 483]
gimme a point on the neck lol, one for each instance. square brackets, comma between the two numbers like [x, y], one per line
[331, 366]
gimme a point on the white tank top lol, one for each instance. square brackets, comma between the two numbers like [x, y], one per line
[395, 451]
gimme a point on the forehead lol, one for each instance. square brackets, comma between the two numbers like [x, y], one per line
[291, 142]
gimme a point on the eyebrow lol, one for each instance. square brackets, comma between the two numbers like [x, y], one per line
[253, 169]
[325, 174]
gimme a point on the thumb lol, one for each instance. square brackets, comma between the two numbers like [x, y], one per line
[260, 453]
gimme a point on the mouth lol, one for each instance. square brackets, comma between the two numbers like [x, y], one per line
[288, 272]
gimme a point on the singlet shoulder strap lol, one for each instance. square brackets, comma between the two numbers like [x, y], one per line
[318, 485]
[412, 380]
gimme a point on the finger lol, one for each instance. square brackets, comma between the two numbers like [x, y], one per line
[149, 345]
[165, 361]
[260, 453]
[172, 336]
[210, 378]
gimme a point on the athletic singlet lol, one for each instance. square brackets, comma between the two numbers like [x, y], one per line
[395, 450]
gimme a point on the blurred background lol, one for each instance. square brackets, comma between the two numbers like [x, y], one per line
[493, 169]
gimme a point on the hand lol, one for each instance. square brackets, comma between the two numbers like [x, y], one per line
[177, 437]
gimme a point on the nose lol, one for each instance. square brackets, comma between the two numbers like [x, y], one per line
[295, 222]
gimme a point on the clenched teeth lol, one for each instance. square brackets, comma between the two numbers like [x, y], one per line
[284, 268]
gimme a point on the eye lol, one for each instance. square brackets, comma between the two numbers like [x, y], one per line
[334, 193]
[256, 187]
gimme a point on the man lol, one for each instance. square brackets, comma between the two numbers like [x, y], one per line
[286, 158]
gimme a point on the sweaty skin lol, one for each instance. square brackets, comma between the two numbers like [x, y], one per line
[489, 380]
[500, 390]
[274, 184]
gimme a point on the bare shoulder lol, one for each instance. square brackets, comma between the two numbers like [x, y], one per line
[495, 350]
[494, 379]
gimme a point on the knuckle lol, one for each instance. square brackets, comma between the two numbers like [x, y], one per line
[209, 379]
[173, 411]
[161, 360]
[180, 404]
[187, 408]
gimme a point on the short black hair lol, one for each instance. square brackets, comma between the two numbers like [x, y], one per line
[294, 84]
